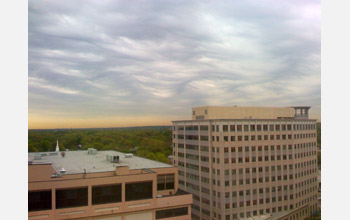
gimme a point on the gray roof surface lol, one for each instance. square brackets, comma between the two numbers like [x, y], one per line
[76, 161]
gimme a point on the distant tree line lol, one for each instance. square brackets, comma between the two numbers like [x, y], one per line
[154, 143]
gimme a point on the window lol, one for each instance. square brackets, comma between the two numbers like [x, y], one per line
[232, 127]
[39, 200]
[225, 128]
[204, 127]
[232, 138]
[137, 191]
[239, 127]
[106, 194]
[204, 138]
[165, 182]
[252, 127]
[258, 127]
[191, 128]
[169, 213]
[265, 127]
[66, 198]
[246, 127]
[283, 127]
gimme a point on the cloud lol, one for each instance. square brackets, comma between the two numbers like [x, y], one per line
[156, 58]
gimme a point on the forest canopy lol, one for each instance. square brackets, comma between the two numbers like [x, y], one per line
[154, 143]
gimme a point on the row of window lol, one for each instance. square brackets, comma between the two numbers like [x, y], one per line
[304, 212]
[246, 137]
[250, 180]
[300, 165]
[242, 215]
[248, 148]
[249, 159]
[169, 213]
[248, 127]
[74, 197]
[254, 179]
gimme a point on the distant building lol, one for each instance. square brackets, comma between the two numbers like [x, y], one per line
[248, 162]
[103, 185]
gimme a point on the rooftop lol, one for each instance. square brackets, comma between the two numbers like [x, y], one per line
[244, 112]
[75, 162]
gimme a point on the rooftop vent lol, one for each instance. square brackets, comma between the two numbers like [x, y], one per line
[113, 159]
[62, 171]
[56, 175]
[128, 155]
[53, 154]
[92, 151]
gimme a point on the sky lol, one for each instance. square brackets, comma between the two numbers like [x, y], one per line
[139, 63]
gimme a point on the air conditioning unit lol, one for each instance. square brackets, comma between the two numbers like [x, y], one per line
[113, 158]
[128, 155]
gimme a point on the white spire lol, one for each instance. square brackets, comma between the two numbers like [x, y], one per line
[57, 147]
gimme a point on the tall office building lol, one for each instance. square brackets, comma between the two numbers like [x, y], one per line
[242, 162]
[105, 185]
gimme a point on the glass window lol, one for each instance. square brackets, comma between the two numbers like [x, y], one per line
[225, 128]
[252, 127]
[169, 213]
[137, 191]
[66, 198]
[39, 200]
[106, 194]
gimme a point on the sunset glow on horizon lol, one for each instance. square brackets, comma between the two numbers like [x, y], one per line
[117, 64]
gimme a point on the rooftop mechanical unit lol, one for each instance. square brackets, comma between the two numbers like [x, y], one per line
[92, 151]
[113, 158]
[128, 155]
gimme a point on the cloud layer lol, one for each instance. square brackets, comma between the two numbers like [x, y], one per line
[158, 59]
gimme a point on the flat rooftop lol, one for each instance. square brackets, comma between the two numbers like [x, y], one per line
[242, 112]
[75, 162]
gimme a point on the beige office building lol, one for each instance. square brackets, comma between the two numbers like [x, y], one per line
[103, 185]
[243, 162]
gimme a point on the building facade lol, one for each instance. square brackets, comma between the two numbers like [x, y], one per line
[242, 162]
[103, 185]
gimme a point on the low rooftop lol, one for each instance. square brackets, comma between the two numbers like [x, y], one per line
[75, 162]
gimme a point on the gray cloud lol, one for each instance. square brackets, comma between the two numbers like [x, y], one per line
[89, 58]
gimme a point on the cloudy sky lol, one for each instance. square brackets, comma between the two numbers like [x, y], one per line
[133, 63]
